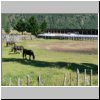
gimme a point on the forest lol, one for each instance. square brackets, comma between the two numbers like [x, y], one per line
[58, 21]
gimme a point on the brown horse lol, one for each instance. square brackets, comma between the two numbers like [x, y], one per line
[28, 52]
[10, 43]
[15, 48]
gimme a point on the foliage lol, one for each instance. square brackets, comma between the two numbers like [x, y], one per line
[20, 26]
[76, 21]
[7, 28]
[32, 26]
[43, 26]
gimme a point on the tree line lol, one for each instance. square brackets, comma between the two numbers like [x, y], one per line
[37, 23]
[31, 25]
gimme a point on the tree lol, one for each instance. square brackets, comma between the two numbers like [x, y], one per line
[20, 26]
[7, 29]
[32, 26]
[43, 26]
[60, 21]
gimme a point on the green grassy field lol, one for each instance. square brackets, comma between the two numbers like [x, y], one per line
[50, 64]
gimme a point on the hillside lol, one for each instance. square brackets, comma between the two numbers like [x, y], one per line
[59, 21]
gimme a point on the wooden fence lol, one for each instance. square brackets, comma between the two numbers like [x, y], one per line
[40, 80]
[68, 37]
[16, 37]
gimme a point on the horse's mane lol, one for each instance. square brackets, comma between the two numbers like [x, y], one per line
[27, 49]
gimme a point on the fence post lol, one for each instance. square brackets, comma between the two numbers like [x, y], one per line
[39, 80]
[18, 81]
[91, 78]
[77, 77]
[28, 80]
[64, 79]
[85, 77]
[10, 82]
[70, 79]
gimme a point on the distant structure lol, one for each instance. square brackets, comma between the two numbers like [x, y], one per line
[73, 34]
[80, 31]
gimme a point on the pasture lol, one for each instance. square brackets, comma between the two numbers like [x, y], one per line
[53, 59]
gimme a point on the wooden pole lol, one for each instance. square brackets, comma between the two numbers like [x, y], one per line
[28, 80]
[18, 81]
[70, 79]
[91, 77]
[39, 80]
[64, 79]
[77, 77]
[85, 77]
[10, 82]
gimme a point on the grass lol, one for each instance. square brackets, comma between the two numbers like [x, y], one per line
[52, 65]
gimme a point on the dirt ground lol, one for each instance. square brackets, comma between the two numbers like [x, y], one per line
[90, 47]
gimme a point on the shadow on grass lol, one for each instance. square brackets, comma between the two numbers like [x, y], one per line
[67, 65]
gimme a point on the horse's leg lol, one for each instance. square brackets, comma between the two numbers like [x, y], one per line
[29, 57]
[33, 56]
[20, 50]
[25, 56]
[15, 50]
[7, 44]
[11, 49]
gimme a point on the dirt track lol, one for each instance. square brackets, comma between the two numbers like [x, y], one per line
[78, 47]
